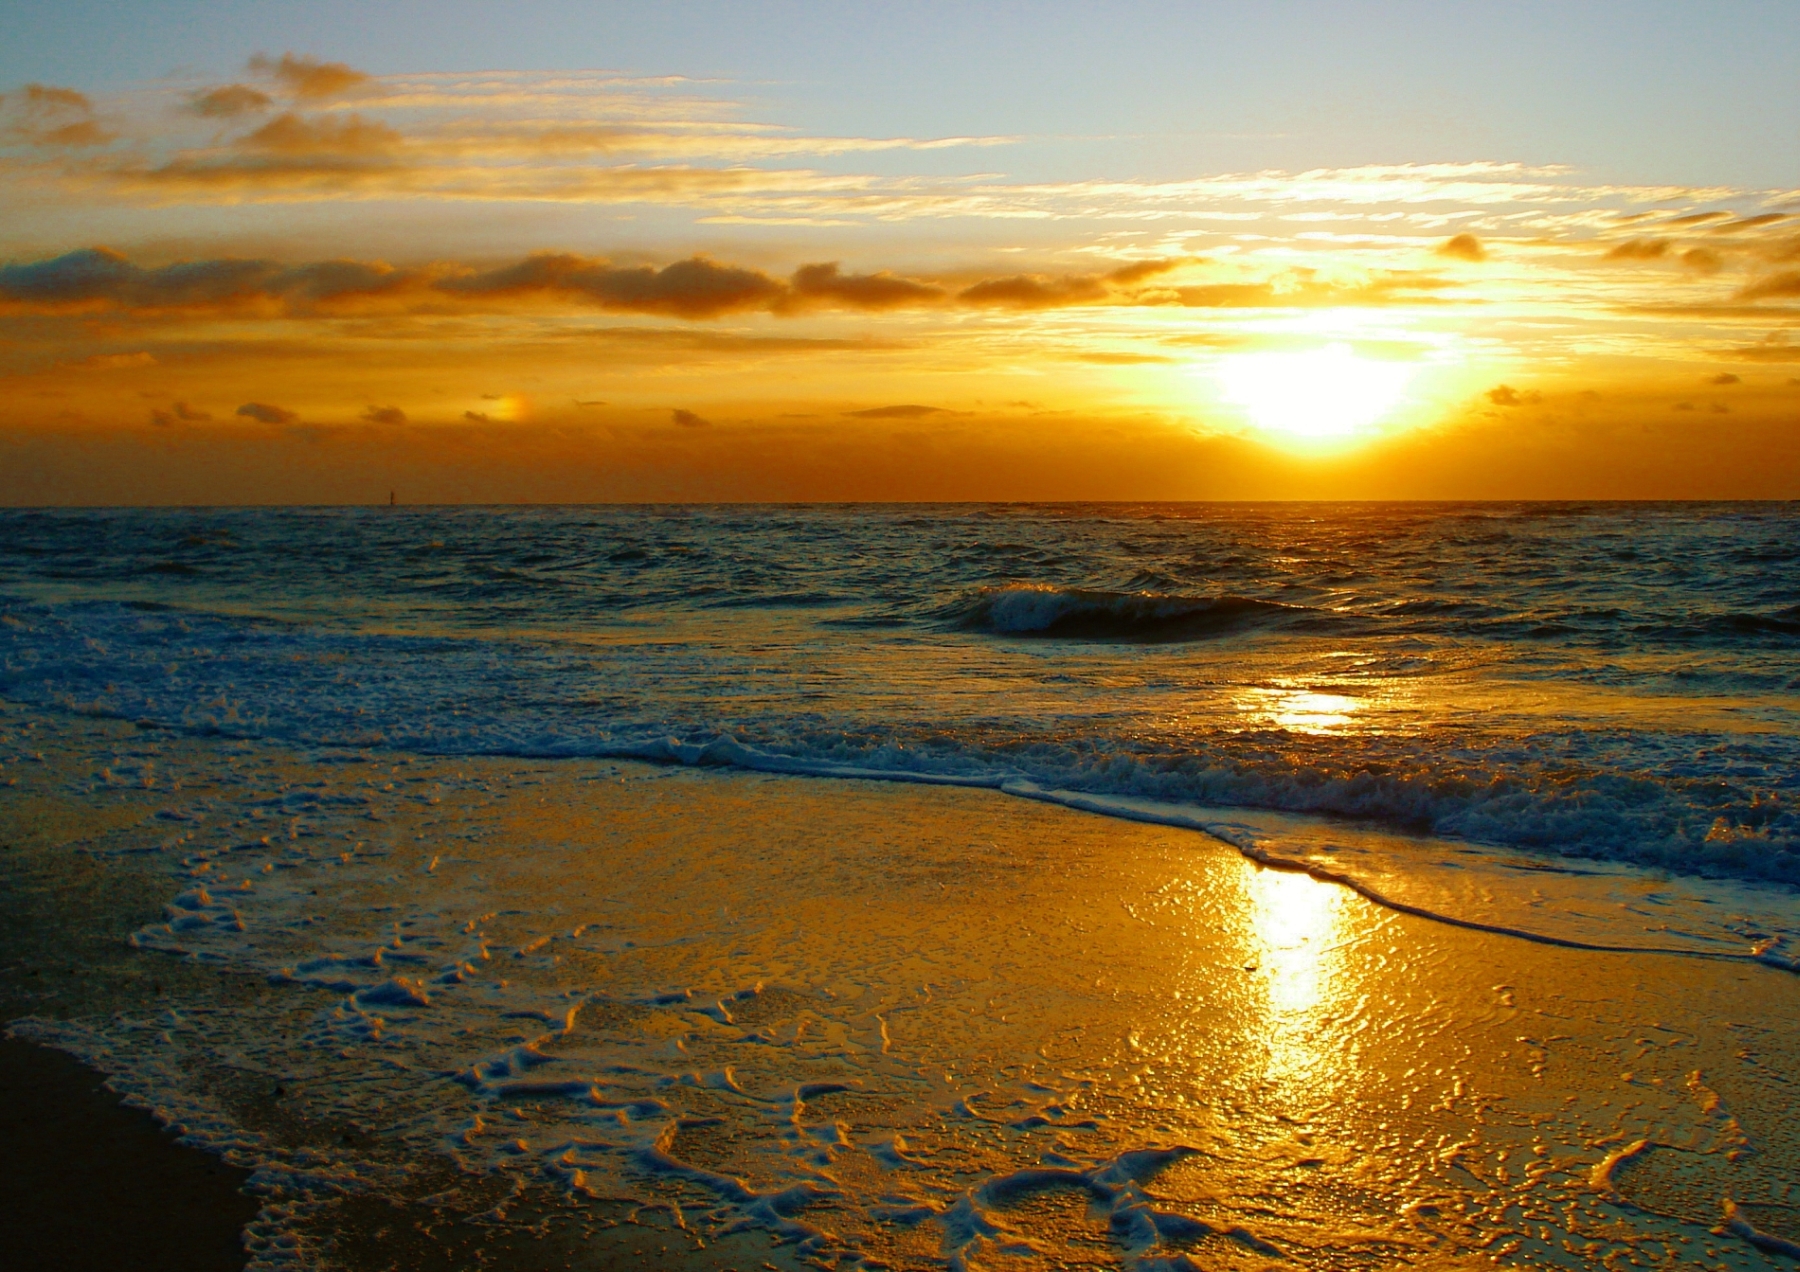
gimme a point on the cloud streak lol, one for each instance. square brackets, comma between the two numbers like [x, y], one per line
[287, 135]
[307, 79]
[43, 115]
[264, 413]
[99, 280]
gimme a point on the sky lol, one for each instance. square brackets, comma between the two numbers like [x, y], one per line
[543, 252]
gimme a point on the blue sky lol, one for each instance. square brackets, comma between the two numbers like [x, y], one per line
[1652, 91]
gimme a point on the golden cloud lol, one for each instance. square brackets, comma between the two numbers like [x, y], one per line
[229, 101]
[1037, 291]
[1107, 358]
[267, 414]
[180, 412]
[1463, 247]
[694, 288]
[95, 280]
[115, 361]
[1776, 286]
[1303, 289]
[292, 134]
[823, 284]
[1034, 291]
[905, 411]
[307, 79]
[44, 115]
[1775, 347]
[519, 136]
[1700, 260]
[1639, 249]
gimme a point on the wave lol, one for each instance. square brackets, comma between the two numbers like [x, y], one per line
[1731, 625]
[1224, 825]
[1040, 609]
[1693, 800]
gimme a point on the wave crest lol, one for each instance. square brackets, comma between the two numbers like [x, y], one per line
[1040, 609]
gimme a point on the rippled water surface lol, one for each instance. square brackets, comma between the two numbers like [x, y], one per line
[1617, 681]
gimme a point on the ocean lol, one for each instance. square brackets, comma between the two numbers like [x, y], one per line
[1573, 729]
[1616, 681]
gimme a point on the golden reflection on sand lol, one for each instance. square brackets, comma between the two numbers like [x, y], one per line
[1296, 932]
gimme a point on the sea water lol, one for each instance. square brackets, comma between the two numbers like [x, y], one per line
[1569, 726]
[1614, 681]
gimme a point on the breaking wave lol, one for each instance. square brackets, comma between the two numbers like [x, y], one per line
[1072, 613]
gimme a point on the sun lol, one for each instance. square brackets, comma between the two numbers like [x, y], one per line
[1317, 393]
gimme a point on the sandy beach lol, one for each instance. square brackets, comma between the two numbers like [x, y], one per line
[713, 1018]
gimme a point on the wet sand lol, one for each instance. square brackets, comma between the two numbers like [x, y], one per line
[88, 1184]
[715, 1019]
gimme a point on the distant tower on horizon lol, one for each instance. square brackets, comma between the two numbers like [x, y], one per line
[390, 499]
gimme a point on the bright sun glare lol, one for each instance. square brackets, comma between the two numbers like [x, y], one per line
[1329, 392]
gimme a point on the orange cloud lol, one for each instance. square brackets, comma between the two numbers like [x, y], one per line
[306, 78]
[694, 288]
[1776, 286]
[1038, 291]
[1110, 359]
[115, 361]
[1138, 271]
[1463, 247]
[229, 101]
[1774, 347]
[687, 419]
[1034, 291]
[824, 284]
[99, 279]
[320, 154]
[1702, 261]
[44, 115]
[903, 412]
[1639, 249]
[291, 134]
[1301, 289]
[1756, 222]
[267, 414]
[181, 412]
[384, 415]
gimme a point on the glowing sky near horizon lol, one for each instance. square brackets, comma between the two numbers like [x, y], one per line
[310, 253]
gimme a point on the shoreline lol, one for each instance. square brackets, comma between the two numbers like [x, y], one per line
[1122, 987]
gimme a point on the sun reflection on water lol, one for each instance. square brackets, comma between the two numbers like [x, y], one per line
[1300, 710]
[1296, 923]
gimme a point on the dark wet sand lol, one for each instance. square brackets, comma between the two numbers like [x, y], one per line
[86, 1183]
